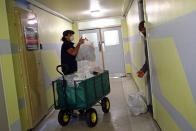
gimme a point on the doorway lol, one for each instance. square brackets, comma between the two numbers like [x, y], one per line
[108, 48]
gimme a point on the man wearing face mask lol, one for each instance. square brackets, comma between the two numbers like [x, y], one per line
[69, 52]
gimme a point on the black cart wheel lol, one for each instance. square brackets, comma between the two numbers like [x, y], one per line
[64, 117]
[105, 103]
[91, 117]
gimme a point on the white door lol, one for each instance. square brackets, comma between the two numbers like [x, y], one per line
[109, 48]
[113, 50]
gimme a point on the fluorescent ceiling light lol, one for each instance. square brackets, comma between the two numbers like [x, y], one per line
[94, 5]
[95, 13]
[95, 8]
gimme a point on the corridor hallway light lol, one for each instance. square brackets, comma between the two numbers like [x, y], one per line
[95, 13]
[94, 5]
[95, 9]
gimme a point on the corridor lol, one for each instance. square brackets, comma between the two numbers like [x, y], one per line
[60, 58]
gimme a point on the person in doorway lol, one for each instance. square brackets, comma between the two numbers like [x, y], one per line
[69, 52]
[145, 67]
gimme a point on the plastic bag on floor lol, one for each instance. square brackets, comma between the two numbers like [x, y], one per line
[137, 104]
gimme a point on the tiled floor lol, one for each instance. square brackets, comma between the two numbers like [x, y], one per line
[119, 118]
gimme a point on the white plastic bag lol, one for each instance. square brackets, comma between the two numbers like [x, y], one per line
[88, 67]
[95, 68]
[86, 64]
[137, 104]
[86, 52]
[70, 79]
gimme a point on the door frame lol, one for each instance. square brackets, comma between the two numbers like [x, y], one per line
[121, 42]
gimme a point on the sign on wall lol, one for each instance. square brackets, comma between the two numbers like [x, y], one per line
[30, 27]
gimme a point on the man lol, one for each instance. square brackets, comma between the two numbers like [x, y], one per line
[145, 67]
[69, 52]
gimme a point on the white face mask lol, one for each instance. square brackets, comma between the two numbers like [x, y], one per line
[72, 38]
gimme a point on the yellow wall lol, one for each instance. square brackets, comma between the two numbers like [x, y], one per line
[126, 46]
[171, 40]
[76, 30]
[50, 32]
[156, 12]
[4, 34]
[6, 64]
[164, 118]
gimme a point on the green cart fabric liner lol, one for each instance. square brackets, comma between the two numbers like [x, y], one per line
[83, 95]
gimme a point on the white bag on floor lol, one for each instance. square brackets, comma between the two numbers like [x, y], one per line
[137, 104]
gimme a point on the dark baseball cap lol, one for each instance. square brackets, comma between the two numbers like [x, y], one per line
[68, 32]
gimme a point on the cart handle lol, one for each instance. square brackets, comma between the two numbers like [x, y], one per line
[60, 72]
[57, 69]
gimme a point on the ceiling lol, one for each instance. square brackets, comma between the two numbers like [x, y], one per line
[82, 9]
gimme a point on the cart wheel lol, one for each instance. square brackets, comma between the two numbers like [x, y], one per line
[105, 103]
[91, 117]
[63, 117]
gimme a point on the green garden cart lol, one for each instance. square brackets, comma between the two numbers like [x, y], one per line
[81, 97]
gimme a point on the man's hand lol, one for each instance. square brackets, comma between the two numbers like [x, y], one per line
[140, 74]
